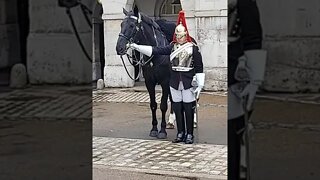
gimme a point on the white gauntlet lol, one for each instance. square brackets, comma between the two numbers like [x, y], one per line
[146, 50]
[200, 82]
[255, 61]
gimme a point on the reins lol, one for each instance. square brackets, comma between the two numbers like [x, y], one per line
[140, 62]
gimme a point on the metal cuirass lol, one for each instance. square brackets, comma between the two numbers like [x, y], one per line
[182, 61]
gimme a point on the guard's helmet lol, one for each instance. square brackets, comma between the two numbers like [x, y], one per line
[181, 31]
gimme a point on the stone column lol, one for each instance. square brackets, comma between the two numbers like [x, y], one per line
[114, 72]
[9, 39]
[96, 38]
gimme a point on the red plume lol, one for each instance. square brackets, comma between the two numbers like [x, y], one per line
[182, 20]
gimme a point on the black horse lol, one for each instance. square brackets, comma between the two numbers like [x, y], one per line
[139, 28]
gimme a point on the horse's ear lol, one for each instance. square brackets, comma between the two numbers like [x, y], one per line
[125, 12]
[136, 11]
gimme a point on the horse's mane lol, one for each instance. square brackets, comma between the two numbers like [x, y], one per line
[167, 28]
[164, 26]
[150, 21]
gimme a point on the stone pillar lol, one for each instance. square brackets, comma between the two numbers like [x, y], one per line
[114, 72]
[207, 23]
[9, 39]
[54, 54]
[96, 38]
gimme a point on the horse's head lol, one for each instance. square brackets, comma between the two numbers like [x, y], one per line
[129, 29]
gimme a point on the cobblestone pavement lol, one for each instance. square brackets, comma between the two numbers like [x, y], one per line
[47, 102]
[163, 157]
[137, 94]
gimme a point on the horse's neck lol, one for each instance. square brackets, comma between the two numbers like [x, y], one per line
[147, 36]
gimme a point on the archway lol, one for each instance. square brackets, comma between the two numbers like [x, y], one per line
[167, 9]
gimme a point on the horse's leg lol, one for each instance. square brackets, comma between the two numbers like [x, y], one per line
[172, 116]
[153, 106]
[164, 108]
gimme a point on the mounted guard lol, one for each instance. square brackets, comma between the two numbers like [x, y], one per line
[186, 63]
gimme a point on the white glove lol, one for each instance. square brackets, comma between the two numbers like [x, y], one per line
[250, 90]
[194, 82]
[132, 46]
[197, 91]
[251, 68]
[200, 82]
[146, 50]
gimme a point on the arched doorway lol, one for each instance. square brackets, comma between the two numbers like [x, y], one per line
[167, 9]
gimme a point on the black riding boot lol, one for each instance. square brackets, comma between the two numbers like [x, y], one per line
[177, 108]
[189, 112]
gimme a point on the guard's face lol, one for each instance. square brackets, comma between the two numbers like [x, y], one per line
[181, 38]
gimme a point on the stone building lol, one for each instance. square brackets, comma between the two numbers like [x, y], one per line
[206, 21]
[38, 34]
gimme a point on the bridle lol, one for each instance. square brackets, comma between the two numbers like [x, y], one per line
[133, 60]
[137, 29]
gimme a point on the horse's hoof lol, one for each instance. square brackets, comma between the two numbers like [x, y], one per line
[162, 135]
[153, 133]
[170, 126]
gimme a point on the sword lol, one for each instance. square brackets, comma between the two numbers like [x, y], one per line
[243, 77]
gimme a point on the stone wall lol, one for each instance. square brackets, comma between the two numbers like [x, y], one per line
[291, 36]
[54, 55]
[207, 22]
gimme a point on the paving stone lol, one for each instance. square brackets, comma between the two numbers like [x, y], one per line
[47, 102]
[189, 159]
